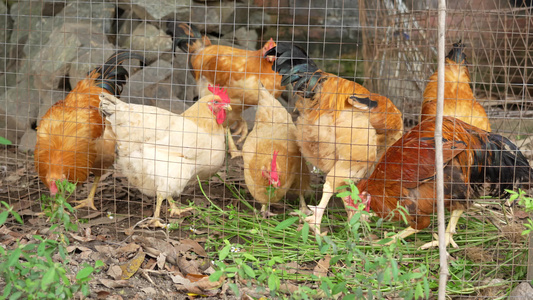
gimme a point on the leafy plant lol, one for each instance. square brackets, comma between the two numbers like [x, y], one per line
[32, 270]
[525, 201]
[4, 141]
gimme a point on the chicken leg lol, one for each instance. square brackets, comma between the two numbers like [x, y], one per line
[155, 221]
[242, 129]
[315, 219]
[450, 231]
[233, 150]
[89, 202]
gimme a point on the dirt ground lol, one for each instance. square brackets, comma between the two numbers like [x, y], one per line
[174, 264]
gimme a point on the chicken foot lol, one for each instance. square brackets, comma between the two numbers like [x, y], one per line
[401, 235]
[89, 202]
[450, 231]
[315, 219]
[175, 210]
[155, 221]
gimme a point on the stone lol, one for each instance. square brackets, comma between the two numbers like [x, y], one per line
[183, 82]
[52, 63]
[149, 40]
[5, 33]
[28, 140]
[158, 10]
[127, 22]
[97, 16]
[19, 107]
[142, 86]
[245, 38]
[523, 291]
[215, 18]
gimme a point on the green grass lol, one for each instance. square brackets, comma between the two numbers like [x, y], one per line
[245, 246]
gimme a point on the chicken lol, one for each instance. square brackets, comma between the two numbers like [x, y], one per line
[72, 138]
[406, 173]
[335, 129]
[273, 164]
[459, 101]
[236, 69]
[160, 152]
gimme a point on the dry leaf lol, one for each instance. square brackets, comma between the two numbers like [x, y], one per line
[188, 266]
[112, 284]
[195, 277]
[104, 249]
[115, 272]
[200, 287]
[322, 267]
[161, 259]
[102, 294]
[81, 238]
[521, 214]
[197, 248]
[149, 290]
[127, 249]
[129, 268]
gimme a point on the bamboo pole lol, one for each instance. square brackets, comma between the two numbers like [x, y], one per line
[443, 278]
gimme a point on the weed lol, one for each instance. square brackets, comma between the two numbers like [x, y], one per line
[32, 270]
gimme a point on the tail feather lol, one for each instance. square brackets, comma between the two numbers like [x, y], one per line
[505, 165]
[187, 37]
[112, 76]
[457, 53]
[295, 67]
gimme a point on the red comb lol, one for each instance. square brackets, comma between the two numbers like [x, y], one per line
[222, 93]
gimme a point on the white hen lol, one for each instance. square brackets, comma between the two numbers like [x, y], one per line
[161, 152]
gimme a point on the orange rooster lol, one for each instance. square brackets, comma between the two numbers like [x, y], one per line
[236, 69]
[273, 164]
[341, 123]
[72, 138]
[406, 173]
[459, 101]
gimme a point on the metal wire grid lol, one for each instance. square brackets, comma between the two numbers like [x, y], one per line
[397, 43]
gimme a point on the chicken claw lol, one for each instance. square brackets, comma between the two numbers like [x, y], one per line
[315, 219]
[242, 130]
[175, 210]
[89, 202]
[450, 231]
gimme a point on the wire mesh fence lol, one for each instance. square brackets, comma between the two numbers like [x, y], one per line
[195, 196]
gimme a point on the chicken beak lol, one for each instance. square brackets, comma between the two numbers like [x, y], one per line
[228, 107]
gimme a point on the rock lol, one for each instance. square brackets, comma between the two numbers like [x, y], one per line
[5, 34]
[523, 291]
[142, 86]
[216, 18]
[52, 63]
[158, 10]
[183, 82]
[88, 59]
[245, 38]
[28, 140]
[150, 40]
[19, 107]
[98, 17]
[127, 22]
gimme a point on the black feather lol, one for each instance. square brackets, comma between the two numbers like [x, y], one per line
[366, 101]
[457, 53]
[183, 35]
[296, 68]
[501, 164]
[113, 76]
